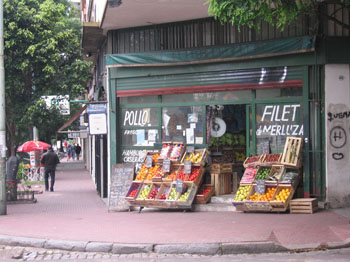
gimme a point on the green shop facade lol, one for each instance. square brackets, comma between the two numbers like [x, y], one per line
[265, 90]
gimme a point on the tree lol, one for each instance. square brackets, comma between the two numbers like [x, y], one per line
[275, 12]
[42, 57]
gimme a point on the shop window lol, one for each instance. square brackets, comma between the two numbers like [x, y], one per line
[139, 137]
[139, 117]
[279, 92]
[274, 122]
[215, 96]
[183, 124]
[138, 100]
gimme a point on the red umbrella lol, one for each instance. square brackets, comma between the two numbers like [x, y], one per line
[33, 145]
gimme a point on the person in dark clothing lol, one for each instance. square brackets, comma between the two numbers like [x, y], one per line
[50, 161]
[77, 151]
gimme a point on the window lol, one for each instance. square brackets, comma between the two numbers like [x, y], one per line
[183, 124]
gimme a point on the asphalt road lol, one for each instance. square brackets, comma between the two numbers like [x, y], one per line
[32, 254]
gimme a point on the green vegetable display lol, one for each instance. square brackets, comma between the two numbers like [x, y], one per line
[263, 173]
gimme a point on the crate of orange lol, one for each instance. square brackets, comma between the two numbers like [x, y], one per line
[282, 197]
[260, 202]
[141, 175]
[171, 176]
[152, 171]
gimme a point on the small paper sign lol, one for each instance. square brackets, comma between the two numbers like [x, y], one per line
[149, 160]
[187, 167]
[190, 149]
[260, 186]
[179, 185]
[166, 165]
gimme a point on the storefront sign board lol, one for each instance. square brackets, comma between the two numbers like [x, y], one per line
[121, 179]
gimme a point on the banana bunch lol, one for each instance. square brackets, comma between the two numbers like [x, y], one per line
[239, 156]
[194, 157]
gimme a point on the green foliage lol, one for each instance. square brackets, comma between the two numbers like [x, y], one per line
[275, 12]
[42, 41]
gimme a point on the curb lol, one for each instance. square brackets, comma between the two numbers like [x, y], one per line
[198, 249]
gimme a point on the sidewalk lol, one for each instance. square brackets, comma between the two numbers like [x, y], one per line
[75, 218]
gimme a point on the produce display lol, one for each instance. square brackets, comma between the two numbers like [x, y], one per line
[176, 151]
[153, 193]
[184, 196]
[240, 156]
[173, 194]
[152, 172]
[155, 158]
[283, 195]
[190, 177]
[171, 175]
[142, 173]
[193, 157]
[162, 197]
[164, 153]
[144, 192]
[133, 193]
[242, 193]
[249, 175]
[279, 177]
[263, 173]
[203, 191]
[272, 158]
[263, 197]
[252, 160]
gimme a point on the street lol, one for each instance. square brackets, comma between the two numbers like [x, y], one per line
[8, 253]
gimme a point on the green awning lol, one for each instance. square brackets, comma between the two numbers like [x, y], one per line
[251, 50]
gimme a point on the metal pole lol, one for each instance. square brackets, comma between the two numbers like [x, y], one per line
[35, 133]
[3, 205]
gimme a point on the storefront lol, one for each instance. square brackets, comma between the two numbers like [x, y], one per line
[233, 106]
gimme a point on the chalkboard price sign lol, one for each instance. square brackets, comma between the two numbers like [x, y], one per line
[187, 167]
[190, 149]
[121, 179]
[260, 186]
[179, 185]
[149, 160]
[166, 165]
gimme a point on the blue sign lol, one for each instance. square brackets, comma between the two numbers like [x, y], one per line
[97, 108]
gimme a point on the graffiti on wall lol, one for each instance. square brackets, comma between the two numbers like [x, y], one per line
[339, 130]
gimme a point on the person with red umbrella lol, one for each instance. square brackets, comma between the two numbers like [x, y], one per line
[50, 161]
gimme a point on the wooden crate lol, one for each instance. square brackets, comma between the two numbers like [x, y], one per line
[292, 152]
[267, 159]
[192, 189]
[235, 182]
[203, 199]
[136, 185]
[253, 161]
[222, 183]
[280, 205]
[221, 168]
[202, 160]
[303, 205]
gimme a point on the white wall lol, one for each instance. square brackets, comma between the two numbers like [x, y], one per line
[337, 105]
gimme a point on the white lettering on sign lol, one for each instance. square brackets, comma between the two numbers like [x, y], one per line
[287, 113]
[136, 118]
[276, 117]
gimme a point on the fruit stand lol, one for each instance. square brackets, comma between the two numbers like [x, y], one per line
[169, 179]
[269, 181]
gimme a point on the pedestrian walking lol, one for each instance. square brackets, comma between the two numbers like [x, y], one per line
[78, 150]
[72, 150]
[50, 161]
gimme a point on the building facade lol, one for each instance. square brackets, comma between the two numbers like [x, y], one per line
[166, 78]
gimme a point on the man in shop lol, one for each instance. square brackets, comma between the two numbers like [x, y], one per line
[50, 161]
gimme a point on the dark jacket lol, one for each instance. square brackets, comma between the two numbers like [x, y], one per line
[50, 160]
[77, 149]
